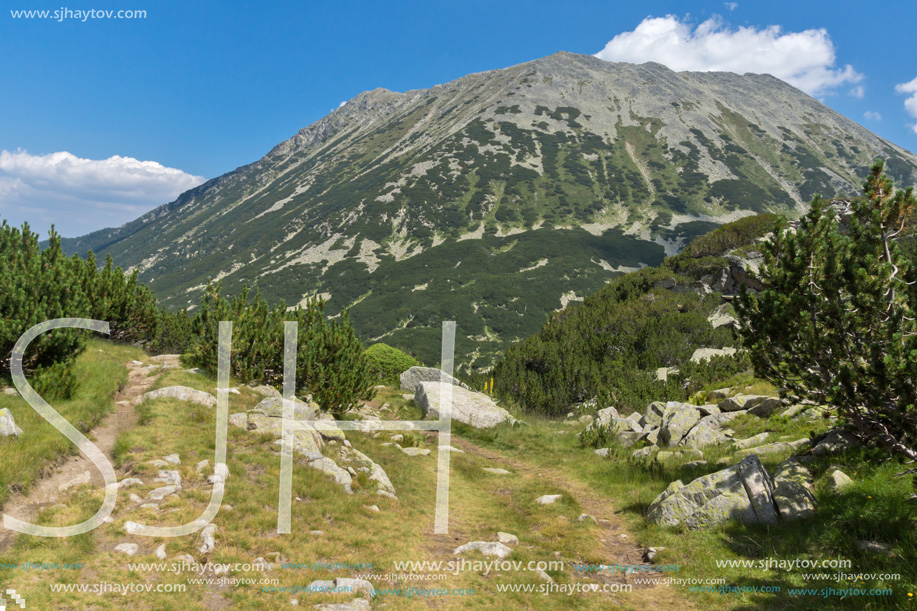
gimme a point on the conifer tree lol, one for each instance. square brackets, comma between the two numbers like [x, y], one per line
[835, 322]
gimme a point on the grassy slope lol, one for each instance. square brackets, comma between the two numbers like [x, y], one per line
[544, 458]
[101, 372]
[482, 505]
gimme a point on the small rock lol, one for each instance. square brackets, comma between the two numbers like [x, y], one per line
[488, 548]
[585, 516]
[548, 499]
[374, 508]
[603, 452]
[127, 548]
[84, 478]
[838, 480]
[496, 471]
[202, 465]
[8, 426]
[507, 539]
[170, 478]
[161, 552]
[543, 575]
[208, 542]
[172, 459]
[415, 451]
[874, 547]
[160, 493]
[220, 473]
[130, 481]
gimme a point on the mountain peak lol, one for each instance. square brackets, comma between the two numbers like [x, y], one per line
[497, 198]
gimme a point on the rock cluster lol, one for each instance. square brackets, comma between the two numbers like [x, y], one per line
[745, 491]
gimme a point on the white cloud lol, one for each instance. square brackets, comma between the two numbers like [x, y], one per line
[910, 104]
[82, 195]
[804, 59]
[731, 5]
[857, 92]
[872, 116]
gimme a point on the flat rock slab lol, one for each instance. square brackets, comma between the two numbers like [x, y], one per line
[182, 393]
[471, 408]
[488, 548]
[496, 471]
[548, 499]
[415, 451]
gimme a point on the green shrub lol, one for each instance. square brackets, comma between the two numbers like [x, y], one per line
[55, 382]
[388, 363]
[174, 333]
[331, 365]
[37, 286]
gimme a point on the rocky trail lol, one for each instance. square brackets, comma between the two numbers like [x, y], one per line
[619, 546]
[78, 469]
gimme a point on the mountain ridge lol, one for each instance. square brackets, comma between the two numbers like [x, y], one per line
[590, 166]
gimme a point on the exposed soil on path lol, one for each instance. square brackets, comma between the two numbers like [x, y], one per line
[78, 469]
[619, 545]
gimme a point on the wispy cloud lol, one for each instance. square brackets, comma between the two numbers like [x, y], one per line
[804, 59]
[731, 5]
[870, 115]
[910, 104]
[857, 92]
[81, 195]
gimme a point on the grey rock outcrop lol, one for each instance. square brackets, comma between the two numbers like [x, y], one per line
[412, 378]
[472, 408]
[743, 491]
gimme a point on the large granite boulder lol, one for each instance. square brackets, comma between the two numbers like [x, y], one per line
[743, 491]
[182, 393]
[412, 378]
[653, 415]
[472, 408]
[793, 491]
[703, 435]
[677, 421]
[759, 405]
[8, 426]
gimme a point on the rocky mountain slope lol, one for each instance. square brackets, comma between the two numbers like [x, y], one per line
[497, 198]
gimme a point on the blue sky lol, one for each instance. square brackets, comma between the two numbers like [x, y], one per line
[147, 107]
